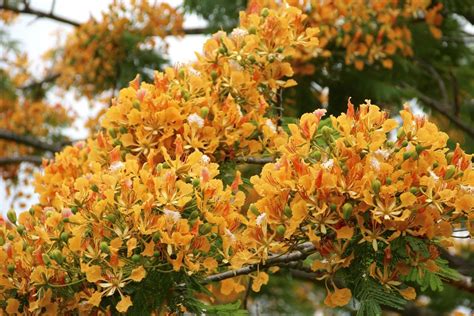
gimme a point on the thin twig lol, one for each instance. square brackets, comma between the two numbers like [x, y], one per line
[455, 87]
[279, 107]
[247, 294]
[436, 75]
[255, 160]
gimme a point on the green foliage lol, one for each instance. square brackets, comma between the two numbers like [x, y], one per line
[371, 294]
[230, 309]
[220, 14]
[369, 307]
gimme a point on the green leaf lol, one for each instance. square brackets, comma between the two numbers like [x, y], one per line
[369, 308]
[230, 309]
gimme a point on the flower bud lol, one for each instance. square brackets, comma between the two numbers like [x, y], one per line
[316, 155]
[156, 237]
[280, 230]
[253, 208]
[11, 215]
[136, 258]
[287, 211]
[414, 190]
[11, 268]
[449, 172]
[46, 259]
[111, 218]
[195, 182]
[214, 75]
[57, 256]
[449, 156]
[104, 247]
[20, 229]
[419, 148]
[376, 184]
[400, 133]
[204, 111]
[194, 214]
[64, 236]
[205, 228]
[347, 210]
[113, 132]
[264, 12]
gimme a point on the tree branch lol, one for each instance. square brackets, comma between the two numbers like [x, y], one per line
[303, 251]
[19, 159]
[50, 15]
[455, 120]
[30, 141]
[436, 75]
[441, 108]
[33, 84]
[464, 284]
[41, 14]
[254, 160]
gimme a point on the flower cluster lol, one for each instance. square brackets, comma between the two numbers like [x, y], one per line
[115, 226]
[368, 32]
[223, 104]
[141, 198]
[97, 53]
[350, 185]
[141, 205]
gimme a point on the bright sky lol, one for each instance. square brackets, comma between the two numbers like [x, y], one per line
[38, 35]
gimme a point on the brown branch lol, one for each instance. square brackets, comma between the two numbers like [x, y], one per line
[19, 159]
[454, 119]
[303, 251]
[255, 160]
[41, 14]
[50, 15]
[441, 108]
[455, 89]
[436, 75]
[463, 284]
[33, 84]
[30, 141]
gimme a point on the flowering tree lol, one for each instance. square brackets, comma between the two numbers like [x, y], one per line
[161, 210]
